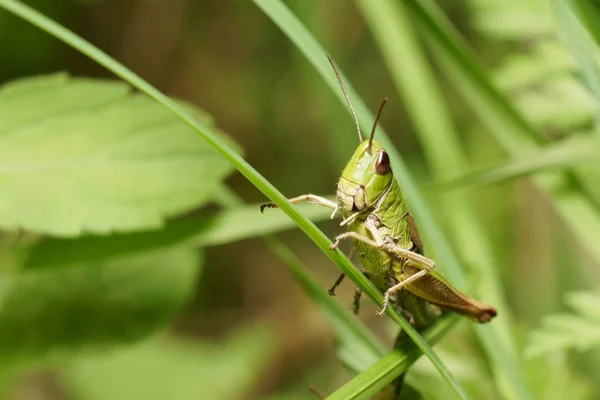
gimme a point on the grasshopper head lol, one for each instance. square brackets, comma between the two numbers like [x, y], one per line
[365, 179]
[368, 175]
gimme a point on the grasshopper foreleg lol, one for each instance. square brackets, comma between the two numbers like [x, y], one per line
[311, 198]
[353, 235]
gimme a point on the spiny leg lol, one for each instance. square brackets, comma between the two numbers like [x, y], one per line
[311, 198]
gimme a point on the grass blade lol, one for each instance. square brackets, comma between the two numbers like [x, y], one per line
[387, 368]
[565, 154]
[311, 49]
[510, 129]
[350, 330]
[42, 22]
[416, 82]
[514, 134]
[588, 13]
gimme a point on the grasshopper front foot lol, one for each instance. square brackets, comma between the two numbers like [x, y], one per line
[267, 205]
[386, 299]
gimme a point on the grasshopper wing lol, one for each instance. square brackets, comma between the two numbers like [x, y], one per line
[436, 290]
[415, 237]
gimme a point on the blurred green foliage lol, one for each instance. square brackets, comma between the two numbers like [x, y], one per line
[124, 273]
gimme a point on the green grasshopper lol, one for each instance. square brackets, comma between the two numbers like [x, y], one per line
[386, 238]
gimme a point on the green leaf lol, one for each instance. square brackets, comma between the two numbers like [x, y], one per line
[174, 369]
[96, 304]
[225, 226]
[579, 330]
[124, 162]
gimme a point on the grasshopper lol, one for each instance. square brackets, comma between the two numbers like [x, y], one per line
[386, 238]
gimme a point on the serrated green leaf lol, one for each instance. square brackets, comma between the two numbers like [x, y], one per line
[513, 19]
[579, 330]
[528, 71]
[586, 303]
[88, 155]
[175, 369]
[98, 304]
[560, 104]
[581, 45]
[225, 226]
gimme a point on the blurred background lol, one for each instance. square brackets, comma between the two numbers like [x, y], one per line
[247, 330]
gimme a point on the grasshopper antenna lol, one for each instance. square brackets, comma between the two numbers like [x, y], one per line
[339, 78]
[375, 122]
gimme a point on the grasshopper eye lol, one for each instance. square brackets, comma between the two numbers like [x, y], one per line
[382, 165]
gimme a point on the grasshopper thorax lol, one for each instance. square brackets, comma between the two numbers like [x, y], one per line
[366, 178]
